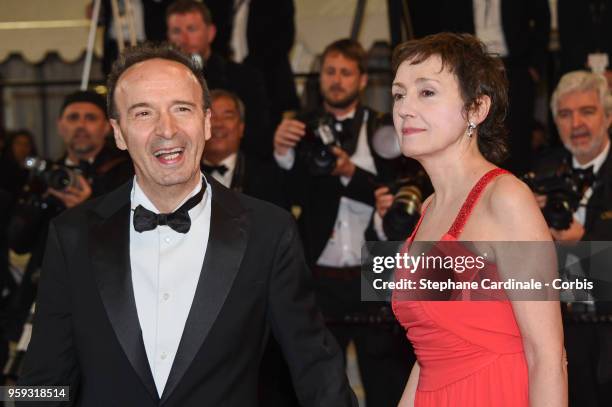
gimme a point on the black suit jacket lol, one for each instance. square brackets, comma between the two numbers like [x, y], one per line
[246, 82]
[270, 37]
[598, 221]
[526, 24]
[86, 330]
[259, 179]
[585, 26]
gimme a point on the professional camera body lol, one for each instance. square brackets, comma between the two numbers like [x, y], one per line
[408, 195]
[53, 175]
[317, 145]
[564, 189]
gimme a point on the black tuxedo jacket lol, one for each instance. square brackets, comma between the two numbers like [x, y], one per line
[270, 37]
[585, 26]
[526, 24]
[246, 82]
[598, 221]
[259, 179]
[86, 331]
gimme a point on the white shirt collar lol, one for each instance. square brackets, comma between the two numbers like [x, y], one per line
[138, 197]
[349, 115]
[229, 161]
[71, 163]
[596, 162]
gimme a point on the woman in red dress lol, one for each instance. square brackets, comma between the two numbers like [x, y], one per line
[450, 101]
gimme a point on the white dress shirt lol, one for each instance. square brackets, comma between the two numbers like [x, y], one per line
[343, 249]
[238, 40]
[166, 266]
[488, 26]
[230, 163]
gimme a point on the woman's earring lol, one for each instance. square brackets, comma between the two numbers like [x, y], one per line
[470, 129]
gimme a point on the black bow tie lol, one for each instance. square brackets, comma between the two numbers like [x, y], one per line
[344, 128]
[221, 169]
[178, 220]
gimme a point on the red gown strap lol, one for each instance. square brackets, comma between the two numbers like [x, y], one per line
[416, 228]
[471, 200]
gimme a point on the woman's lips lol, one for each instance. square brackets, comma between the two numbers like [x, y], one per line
[407, 131]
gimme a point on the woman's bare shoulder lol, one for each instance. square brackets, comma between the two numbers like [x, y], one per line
[514, 211]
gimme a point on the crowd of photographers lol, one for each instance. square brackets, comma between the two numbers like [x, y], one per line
[338, 170]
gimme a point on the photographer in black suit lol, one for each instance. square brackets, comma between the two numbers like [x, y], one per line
[97, 168]
[332, 171]
[233, 168]
[191, 28]
[248, 31]
[582, 109]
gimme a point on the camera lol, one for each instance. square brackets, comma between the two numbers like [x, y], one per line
[53, 175]
[318, 142]
[408, 195]
[564, 189]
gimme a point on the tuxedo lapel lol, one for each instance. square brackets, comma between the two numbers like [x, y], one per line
[110, 254]
[226, 246]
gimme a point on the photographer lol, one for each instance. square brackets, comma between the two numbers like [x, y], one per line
[89, 169]
[582, 110]
[332, 171]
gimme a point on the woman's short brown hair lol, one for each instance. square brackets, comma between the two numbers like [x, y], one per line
[478, 74]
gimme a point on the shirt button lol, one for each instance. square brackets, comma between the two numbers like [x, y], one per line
[163, 356]
[166, 296]
[167, 239]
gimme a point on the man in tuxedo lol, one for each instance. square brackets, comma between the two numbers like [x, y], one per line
[248, 31]
[582, 109]
[336, 204]
[235, 169]
[191, 28]
[164, 291]
[83, 126]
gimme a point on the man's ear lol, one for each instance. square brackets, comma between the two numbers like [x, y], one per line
[60, 128]
[241, 125]
[363, 81]
[212, 33]
[480, 110]
[207, 120]
[107, 128]
[119, 139]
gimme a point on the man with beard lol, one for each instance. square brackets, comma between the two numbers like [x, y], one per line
[83, 125]
[332, 188]
[582, 110]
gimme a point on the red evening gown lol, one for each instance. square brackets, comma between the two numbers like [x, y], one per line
[470, 352]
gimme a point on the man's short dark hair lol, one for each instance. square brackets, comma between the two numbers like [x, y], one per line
[84, 96]
[140, 53]
[350, 49]
[189, 6]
